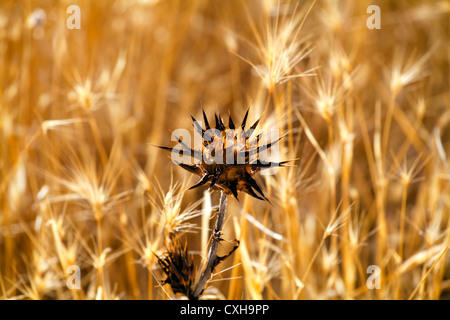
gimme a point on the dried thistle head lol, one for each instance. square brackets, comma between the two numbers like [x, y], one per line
[178, 267]
[228, 156]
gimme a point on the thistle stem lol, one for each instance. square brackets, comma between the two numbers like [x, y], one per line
[212, 255]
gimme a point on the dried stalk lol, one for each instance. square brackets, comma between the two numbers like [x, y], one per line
[212, 255]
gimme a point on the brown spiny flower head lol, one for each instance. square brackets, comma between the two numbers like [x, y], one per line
[228, 156]
[178, 267]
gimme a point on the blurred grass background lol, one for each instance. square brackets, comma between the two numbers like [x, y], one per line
[367, 113]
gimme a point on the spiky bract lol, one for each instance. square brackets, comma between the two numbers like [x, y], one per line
[229, 156]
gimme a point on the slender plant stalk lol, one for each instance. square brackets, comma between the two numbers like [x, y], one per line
[316, 253]
[98, 218]
[348, 264]
[213, 248]
[98, 139]
[401, 238]
[427, 273]
[290, 120]
[332, 180]
[150, 286]
[266, 108]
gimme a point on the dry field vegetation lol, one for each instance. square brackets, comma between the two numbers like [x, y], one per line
[367, 113]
